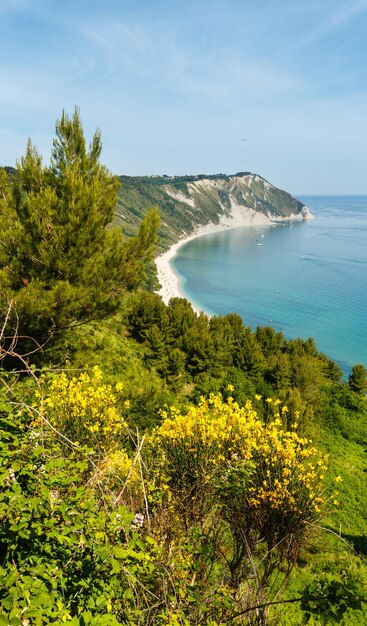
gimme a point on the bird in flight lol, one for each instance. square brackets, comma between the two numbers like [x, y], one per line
[244, 140]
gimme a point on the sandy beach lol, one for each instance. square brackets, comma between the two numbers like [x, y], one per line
[169, 281]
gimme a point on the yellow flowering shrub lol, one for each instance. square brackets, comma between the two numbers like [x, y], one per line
[234, 486]
[260, 467]
[84, 409]
[193, 445]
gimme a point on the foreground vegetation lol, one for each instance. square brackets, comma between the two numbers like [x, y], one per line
[157, 466]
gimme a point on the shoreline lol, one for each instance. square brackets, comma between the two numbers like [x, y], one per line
[168, 279]
[240, 217]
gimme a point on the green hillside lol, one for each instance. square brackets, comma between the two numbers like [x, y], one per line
[186, 202]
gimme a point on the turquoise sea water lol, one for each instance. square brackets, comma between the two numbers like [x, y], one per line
[306, 279]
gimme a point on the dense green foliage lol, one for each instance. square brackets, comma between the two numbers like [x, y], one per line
[63, 555]
[212, 352]
[59, 264]
[358, 379]
[201, 426]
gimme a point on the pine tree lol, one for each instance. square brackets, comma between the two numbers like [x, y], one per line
[61, 261]
[357, 381]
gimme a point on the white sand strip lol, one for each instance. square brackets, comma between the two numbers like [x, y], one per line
[169, 281]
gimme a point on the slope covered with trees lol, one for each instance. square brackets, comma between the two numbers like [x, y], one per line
[159, 467]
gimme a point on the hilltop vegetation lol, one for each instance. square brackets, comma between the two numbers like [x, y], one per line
[159, 467]
[186, 202]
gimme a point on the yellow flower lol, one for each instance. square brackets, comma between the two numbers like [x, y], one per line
[213, 438]
[84, 409]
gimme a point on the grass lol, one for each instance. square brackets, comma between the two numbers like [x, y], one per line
[339, 548]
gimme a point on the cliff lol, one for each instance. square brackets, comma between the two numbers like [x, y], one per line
[189, 202]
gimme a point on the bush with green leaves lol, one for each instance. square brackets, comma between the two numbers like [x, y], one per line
[328, 599]
[66, 555]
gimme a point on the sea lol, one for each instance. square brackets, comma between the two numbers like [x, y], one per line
[306, 279]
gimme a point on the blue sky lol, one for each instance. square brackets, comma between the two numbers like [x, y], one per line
[174, 85]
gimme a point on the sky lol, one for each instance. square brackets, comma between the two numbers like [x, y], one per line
[176, 85]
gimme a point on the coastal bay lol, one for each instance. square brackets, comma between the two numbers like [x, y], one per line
[304, 279]
[241, 217]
